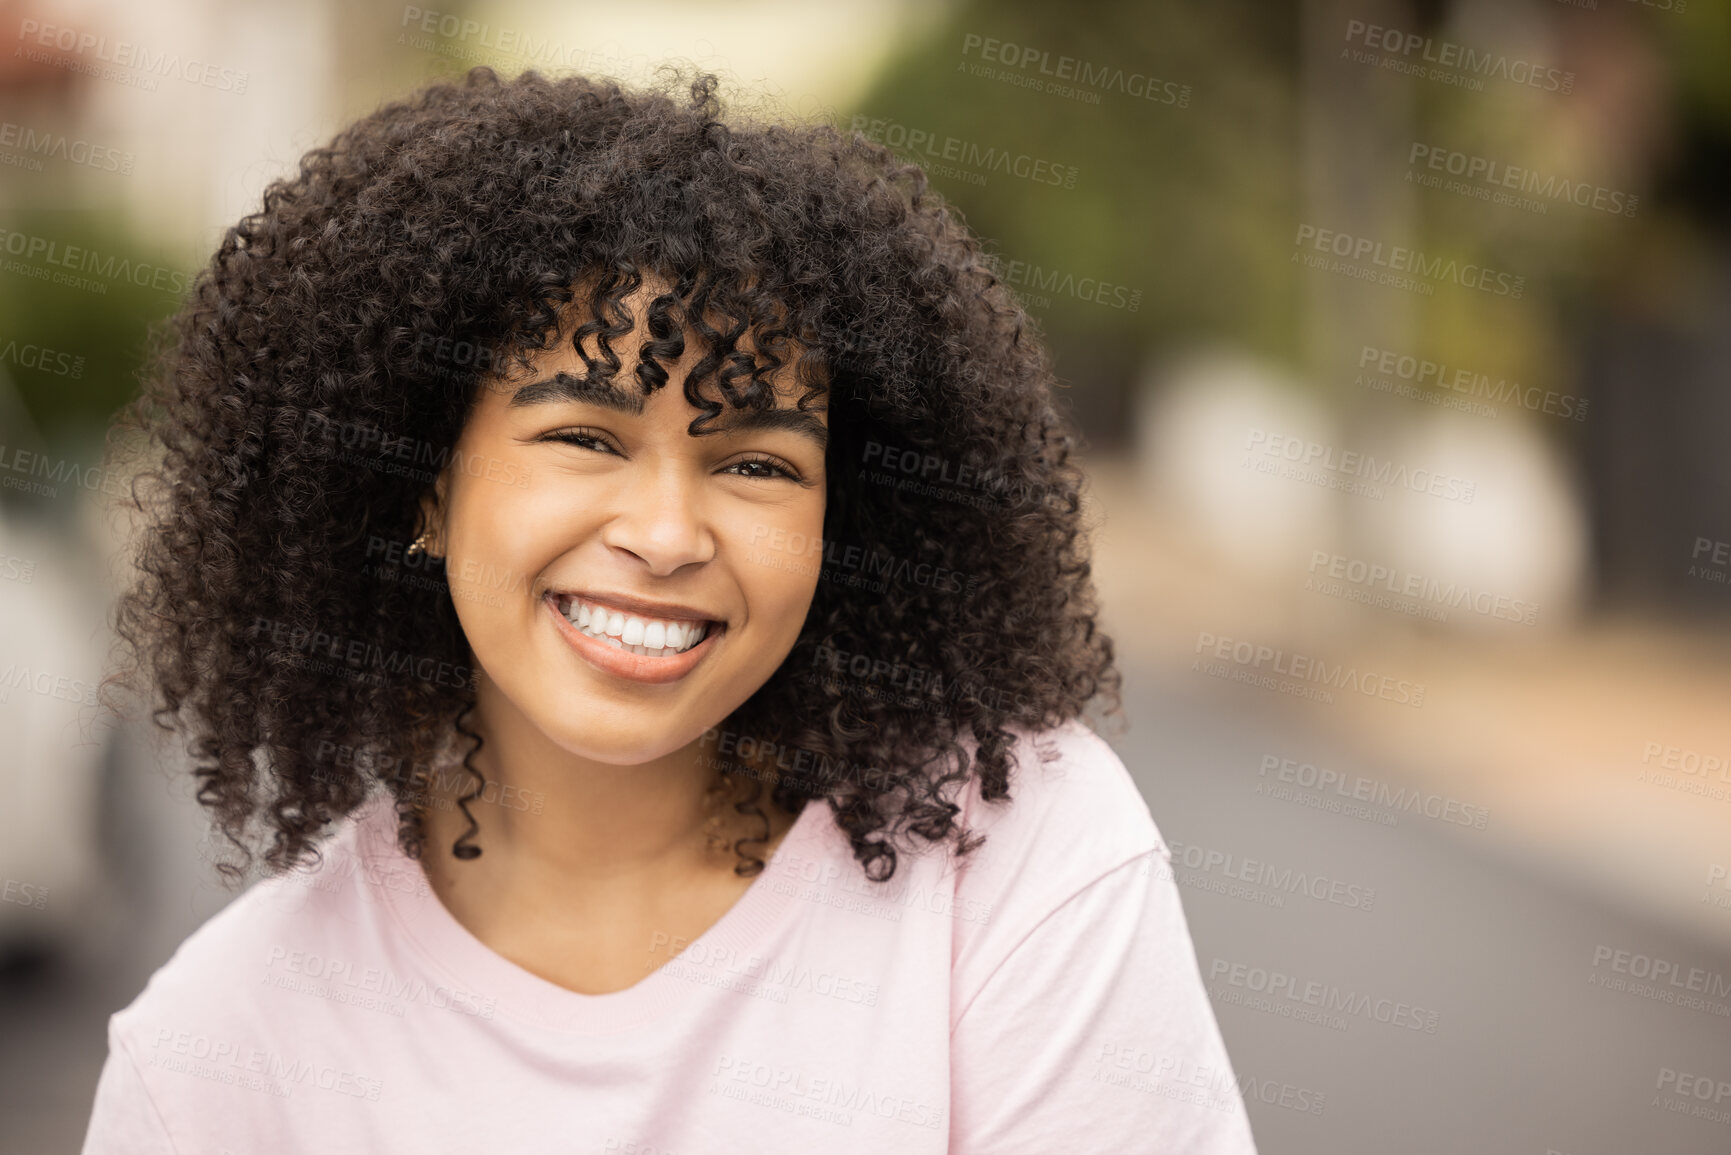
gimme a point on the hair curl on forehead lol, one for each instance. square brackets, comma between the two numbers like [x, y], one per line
[322, 369]
[744, 343]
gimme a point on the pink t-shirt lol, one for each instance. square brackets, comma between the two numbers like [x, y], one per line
[1042, 997]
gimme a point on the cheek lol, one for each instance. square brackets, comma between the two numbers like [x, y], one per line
[781, 555]
[498, 538]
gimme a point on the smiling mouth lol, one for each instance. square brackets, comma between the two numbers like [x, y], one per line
[634, 633]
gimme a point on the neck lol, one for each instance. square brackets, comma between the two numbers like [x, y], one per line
[549, 818]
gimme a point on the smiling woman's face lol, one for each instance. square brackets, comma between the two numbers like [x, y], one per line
[613, 573]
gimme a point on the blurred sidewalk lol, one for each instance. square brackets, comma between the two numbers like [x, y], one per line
[1546, 728]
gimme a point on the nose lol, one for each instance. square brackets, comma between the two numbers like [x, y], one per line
[660, 520]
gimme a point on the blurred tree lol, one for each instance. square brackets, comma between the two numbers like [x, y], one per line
[1656, 347]
[99, 336]
[1184, 195]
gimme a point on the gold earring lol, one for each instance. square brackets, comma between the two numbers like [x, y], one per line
[419, 545]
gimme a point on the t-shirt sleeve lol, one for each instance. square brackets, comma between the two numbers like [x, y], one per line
[1095, 1034]
[124, 1119]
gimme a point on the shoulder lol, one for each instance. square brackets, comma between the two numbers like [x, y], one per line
[1074, 814]
[210, 1000]
[1075, 836]
[1073, 818]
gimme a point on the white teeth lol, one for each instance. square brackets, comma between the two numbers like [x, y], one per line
[648, 636]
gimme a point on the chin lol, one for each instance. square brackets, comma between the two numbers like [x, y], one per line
[625, 751]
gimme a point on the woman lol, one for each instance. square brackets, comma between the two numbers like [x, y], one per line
[618, 566]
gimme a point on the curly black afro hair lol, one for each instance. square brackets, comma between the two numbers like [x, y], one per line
[326, 359]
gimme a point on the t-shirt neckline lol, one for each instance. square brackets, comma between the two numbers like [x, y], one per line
[489, 985]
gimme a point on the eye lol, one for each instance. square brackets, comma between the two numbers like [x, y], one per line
[580, 438]
[755, 468]
[774, 469]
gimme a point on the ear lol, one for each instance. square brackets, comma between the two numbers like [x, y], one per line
[433, 508]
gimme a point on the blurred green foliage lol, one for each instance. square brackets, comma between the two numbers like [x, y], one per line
[1196, 205]
[1188, 202]
[106, 331]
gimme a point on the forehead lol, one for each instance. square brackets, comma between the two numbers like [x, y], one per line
[559, 373]
[562, 387]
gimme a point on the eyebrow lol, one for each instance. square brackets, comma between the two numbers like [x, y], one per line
[570, 387]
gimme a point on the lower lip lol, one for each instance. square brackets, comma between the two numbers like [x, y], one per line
[611, 659]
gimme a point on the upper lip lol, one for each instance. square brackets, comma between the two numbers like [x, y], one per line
[625, 603]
